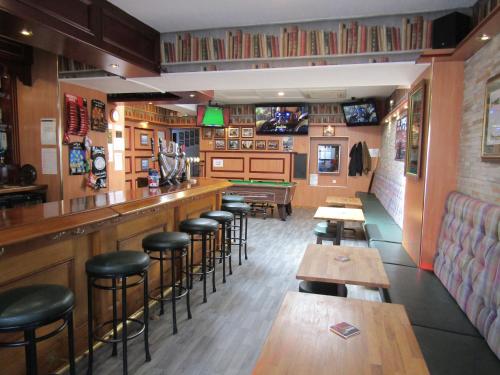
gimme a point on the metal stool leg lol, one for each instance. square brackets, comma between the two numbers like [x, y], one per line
[124, 325]
[115, 319]
[187, 287]
[204, 265]
[246, 233]
[191, 259]
[71, 343]
[90, 325]
[240, 230]
[223, 251]
[30, 351]
[229, 247]
[146, 316]
[212, 261]
[172, 270]
[162, 287]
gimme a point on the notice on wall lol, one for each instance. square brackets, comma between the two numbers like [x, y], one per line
[49, 161]
[48, 135]
[374, 152]
[313, 179]
[119, 141]
[118, 161]
[218, 163]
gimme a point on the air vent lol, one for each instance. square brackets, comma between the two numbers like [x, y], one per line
[331, 95]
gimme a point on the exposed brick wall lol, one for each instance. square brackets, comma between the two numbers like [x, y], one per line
[391, 194]
[477, 178]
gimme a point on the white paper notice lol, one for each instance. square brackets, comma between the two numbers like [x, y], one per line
[118, 161]
[49, 161]
[313, 179]
[110, 152]
[218, 163]
[374, 152]
[119, 144]
[48, 131]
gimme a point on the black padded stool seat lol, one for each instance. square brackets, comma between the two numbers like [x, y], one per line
[326, 289]
[236, 207]
[118, 263]
[233, 199]
[34, 305]
[219, 216]
[199, 226]
[166, 240]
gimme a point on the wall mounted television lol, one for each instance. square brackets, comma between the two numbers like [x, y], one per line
[282, 119]
[212, 116]
[360, 113]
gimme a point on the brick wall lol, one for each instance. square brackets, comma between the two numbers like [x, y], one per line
[477, 178]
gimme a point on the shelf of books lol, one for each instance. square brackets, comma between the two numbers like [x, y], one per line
[157, 115]
[242, 114]
[392, 37]
[326, 114]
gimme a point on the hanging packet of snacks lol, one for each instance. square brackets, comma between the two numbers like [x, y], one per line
[76, 116]
[98, 174]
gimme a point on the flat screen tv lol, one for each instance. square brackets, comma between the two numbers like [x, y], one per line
[361, 112]
[286, 119]
[212, 116]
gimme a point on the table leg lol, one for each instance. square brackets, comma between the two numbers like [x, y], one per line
[282, 211]
[340, 231]
[289, 208]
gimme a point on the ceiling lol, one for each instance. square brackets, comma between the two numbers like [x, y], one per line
[168, 16]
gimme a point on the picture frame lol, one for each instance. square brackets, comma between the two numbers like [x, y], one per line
[246, 132]
[144, 139]
[273, 145]
[233, 132]
[490, 142]
[260, 144]
[400, 141]
[233, 144]
[246, 144]
[220, 144]
[220, 133]
[329, 159]
[415, 129]
[328, 131]
[144, 165]
[207, 133]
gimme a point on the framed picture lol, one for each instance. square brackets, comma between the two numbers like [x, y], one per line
[233, 144]
[490, 145]
[416, 114]
[287, 144]
[144, 139]
[400, 144]
[273, 145]
[246, 145]
[219, 133]
[207, 133]
[144, 165]
[328, 131]
[220, 144]
[260, 145]
[246, 132]
[233, 133]
[329, 158]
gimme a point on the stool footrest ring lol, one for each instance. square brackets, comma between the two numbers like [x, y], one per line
[117, 340]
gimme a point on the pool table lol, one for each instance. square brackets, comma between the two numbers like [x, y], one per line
[272, 192]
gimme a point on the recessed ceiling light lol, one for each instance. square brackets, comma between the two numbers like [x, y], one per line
[26, 32]
[281, 93]
[484, 37]
[150, 103]
[192, 95]
[114, 66]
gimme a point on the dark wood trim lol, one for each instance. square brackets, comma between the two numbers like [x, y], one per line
[267, 159]
[227, 170]
[128, 160]
[143, 147]
[130, 137]
[141, 159]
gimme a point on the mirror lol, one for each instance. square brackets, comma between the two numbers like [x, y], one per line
[416, 113]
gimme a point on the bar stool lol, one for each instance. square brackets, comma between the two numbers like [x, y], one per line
[177, 244]
[224, 218]
[115, 266]
[28, 308]
[326, 231]
[240, 212]
[232, 198]
[201, 230]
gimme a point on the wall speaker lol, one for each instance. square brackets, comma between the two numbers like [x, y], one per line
[449, 30]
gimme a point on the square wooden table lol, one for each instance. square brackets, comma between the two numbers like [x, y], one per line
[300, 342]
[339, 215]
[364, 267]
[351, 202]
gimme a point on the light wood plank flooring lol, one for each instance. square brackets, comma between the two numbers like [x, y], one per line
[226, 334]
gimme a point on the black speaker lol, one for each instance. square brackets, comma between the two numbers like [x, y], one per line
[449, 30]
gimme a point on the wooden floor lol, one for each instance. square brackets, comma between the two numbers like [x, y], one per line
[226, 334]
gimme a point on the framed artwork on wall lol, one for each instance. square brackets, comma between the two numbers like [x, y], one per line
[328, 131]
[246, 145]
[329, 158]
[246, 132]
[490, 145]
[144, 139]
[400, 144]
[260, 145]
[416, 114]
[233, 144]
[233, 133]
[219, 133]
[220, 144]
[207, 133]
[273, 145]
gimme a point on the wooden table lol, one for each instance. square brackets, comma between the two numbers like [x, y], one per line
[365, 267]
[351, 202]
[339, 215]
[300, 342]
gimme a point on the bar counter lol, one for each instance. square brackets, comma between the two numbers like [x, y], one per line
[50, 243]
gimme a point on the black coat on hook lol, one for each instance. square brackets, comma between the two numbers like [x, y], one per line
[356, 162]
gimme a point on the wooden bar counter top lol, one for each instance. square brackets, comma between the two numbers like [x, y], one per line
[50, 243]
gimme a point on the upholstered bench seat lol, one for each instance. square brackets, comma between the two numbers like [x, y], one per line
[393, 253]
[450, 353]
[426, 300]
[383, 232]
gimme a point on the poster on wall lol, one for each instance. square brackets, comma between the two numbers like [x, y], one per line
[288, 144]
[400, 144]
[77, 158]
[98, 116]
[98, 173]
[76, 116]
